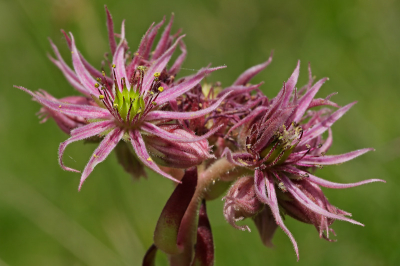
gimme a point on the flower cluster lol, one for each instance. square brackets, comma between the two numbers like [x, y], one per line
[264, 149]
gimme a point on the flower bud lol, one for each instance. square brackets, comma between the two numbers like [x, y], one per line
[241, 202]
[178, 154]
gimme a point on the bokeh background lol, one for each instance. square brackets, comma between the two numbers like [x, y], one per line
[45, 221]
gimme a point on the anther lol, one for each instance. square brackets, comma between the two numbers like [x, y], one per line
[104, 73]
[115, 105]
[157, 74]
[113, 65]
[308, 146]
[96, 85]
[160, 89]
[101, 97]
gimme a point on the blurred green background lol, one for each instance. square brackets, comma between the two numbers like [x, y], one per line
[45, 221]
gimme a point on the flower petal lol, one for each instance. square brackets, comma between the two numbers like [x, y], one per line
[141, 152]
[179, 61]
[159, 115]
[321, 127]
[157, 131]
[67, 71]
[305, 101]
[83, 74]
[290, 84]
[81, 133]
[158, 66]
[119, 61]
[333, 159]
[163, 42]
[101, 153]
[84, 111]
[273, 204]
[326, 183]
[183, 87]
[303, 199]
[110, 27]
[246, 76]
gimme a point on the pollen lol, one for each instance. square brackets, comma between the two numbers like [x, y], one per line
[149, 159]
[157, 74]
[103, 73]
[113, 65]
[101, 97]
[59, 106]
[160, 89]
[115, 105]
[96, 85]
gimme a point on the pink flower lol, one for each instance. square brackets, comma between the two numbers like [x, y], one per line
[282, 141]
[127, 104]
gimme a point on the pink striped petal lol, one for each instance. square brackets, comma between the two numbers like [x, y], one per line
[326, 183]
[83, 111]
[119, 61]
[142, 154]
[183, 87]
[324, 125]
[306, 202]
[101, 153]
[83, 74]
[305, 101]
[333, 159]
[158, 115]
[93, 71]
[158, 66]
[67, 71]
[239, 89]
[291, 83]
[159, 132]
[150, 39]
[179, 61]
[163, 42]
[244, 78]
[275, 210]
[110, 27]
[81, 133]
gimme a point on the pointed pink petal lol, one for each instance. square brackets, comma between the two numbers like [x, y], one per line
[158, 66]
[179, 61]
[163, 42]
[275, 211]
[67, 71]
[333, 159]
[119, 60]
[150, 39]
[81, 133]
[84, 111]
[248, 118]
[157, 131]
[305, 101]
[183, 87]
[244, 78]
[92, 71]
[83, 74]
[103, 150]
[142, 154]
[324, 125]
[291, 83]
[239, 89]
[169, 223]
[158, 115]
[326, 183]
[306, 202]
[110, 27]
